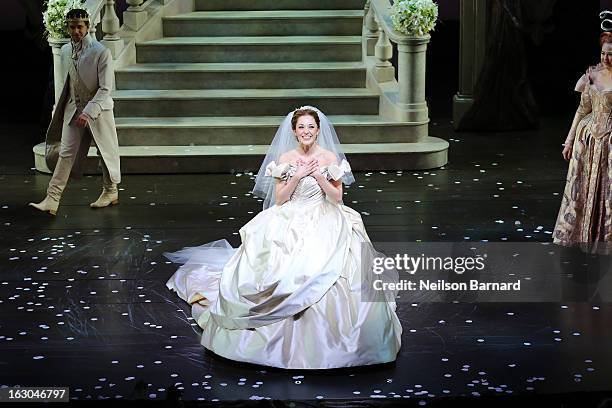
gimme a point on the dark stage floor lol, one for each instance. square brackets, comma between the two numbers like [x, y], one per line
[83, 302]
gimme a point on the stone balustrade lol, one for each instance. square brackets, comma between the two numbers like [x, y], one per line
[406, 97]
[390, 129]
[403, 99]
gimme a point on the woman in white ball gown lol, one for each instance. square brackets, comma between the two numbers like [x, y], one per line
[290, 296]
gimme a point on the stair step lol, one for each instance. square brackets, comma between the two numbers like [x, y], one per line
[210, 95]
[240, 76]
[264, 23]
[251, 49]
[242, 102]
[430, 153]
[257, 130]
[278, 5]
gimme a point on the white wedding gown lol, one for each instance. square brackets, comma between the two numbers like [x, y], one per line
[290, 295]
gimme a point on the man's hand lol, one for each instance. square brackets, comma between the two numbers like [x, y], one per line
[82, 120]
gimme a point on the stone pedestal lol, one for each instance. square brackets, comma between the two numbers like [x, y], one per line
[59, 73]
[412, 62]
[134, 20]
[115, 46]
[471, 54]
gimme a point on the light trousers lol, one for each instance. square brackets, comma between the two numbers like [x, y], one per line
[72, 137]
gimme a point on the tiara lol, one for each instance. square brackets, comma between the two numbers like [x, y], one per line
[307, 107]
[606, 22]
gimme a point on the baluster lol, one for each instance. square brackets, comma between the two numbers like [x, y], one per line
[372, 28]
[134, 5]
[93, 23]
[383, 51]
[134, 17]
[110, 27]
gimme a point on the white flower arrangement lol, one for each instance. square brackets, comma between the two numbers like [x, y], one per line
[54, 16]
[414, 17]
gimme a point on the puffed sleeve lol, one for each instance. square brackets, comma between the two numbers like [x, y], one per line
[282, 171]
[335, 172]
[582, 83]
[583, 86]
[585, 107]
[585, 80]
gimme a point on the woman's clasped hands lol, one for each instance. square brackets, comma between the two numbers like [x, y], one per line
[307, 168]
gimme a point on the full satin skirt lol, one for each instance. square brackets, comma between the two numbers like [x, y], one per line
[290, 295]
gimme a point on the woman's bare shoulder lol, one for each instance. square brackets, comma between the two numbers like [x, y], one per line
[328, 157]
[287, 157]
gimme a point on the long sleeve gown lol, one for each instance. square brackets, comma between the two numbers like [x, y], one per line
[585, 216]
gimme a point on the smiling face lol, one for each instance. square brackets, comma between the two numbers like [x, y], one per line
[606, 55]
[77, 30]
[306, 130]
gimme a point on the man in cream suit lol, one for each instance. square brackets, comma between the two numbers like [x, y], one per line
[84, 111]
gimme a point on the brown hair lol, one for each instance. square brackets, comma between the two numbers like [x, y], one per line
[304, 112]
[605, 37]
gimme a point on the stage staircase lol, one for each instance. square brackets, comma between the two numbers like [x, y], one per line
[209, 94]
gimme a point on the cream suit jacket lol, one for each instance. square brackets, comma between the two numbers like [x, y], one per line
[95, 69]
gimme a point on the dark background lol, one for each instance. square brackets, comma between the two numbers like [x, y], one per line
[570, 46]
[27, 67]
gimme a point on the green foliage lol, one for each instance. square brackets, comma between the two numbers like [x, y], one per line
[414, 17]
[54, 16]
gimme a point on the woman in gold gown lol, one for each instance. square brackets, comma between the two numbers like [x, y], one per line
[585, 216]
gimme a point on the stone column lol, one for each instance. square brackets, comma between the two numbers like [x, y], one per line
[59, 73]
[471, 54]
[411, 65]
